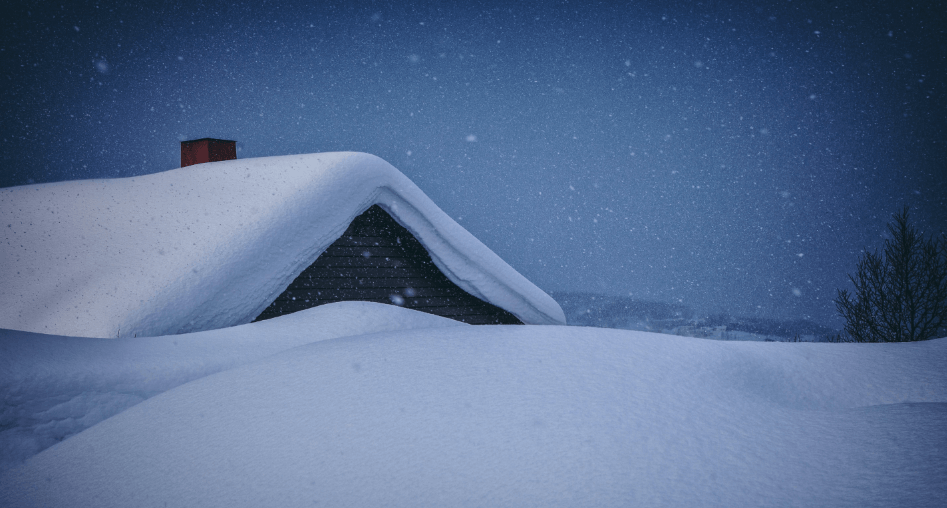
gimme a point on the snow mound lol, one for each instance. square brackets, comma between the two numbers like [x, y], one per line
[52, 387]
[211, 245]
[523, 416]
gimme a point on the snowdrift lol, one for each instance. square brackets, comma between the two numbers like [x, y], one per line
[522, 416]
[52, 387]
[211, 245]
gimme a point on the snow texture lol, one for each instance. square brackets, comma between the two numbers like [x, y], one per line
[522, 416]
[210, 246]
[52, 387]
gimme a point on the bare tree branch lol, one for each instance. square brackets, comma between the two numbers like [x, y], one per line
[900, 295]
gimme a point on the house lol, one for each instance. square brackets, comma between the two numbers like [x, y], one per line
[225, 243]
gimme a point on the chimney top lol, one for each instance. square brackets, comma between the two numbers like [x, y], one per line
[197, 151]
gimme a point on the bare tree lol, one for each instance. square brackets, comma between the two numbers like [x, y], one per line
[900, 295]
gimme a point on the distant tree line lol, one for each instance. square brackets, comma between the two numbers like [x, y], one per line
[623, 312]
[792, 329]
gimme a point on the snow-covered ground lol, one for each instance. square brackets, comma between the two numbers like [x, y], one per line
[52, 387]
[291, 412]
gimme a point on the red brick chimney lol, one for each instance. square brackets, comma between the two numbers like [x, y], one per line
[201, 150]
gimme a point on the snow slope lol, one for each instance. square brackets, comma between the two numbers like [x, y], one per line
[523, 416]
[211, 245]
[52, 387]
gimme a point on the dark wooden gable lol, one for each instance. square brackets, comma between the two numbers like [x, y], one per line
[378, 260]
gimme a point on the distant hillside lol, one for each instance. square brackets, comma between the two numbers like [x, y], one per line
[589, 309]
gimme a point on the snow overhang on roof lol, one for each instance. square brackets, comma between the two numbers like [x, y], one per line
[211, 245]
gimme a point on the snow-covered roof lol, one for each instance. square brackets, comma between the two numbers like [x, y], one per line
[211, 245]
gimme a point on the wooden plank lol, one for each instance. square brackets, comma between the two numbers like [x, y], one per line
[436, 302]
[355, 293]
[365, 241]
[393, 252]
[377, 230]
[371, 272]
[404, 271]
[385, 269]
[354, 241]
[374, 261]
[318, 297]
[489, 320]
[380, 282]
[456, 312]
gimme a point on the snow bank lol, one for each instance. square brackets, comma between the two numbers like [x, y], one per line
[52, 387]
[211, 245]
[523, 416]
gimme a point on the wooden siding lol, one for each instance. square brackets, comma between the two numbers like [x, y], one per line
[378, 260]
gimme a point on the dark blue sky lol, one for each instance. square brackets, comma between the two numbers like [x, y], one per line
[730, 156]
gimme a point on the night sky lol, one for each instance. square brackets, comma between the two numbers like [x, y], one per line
[734, 157]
